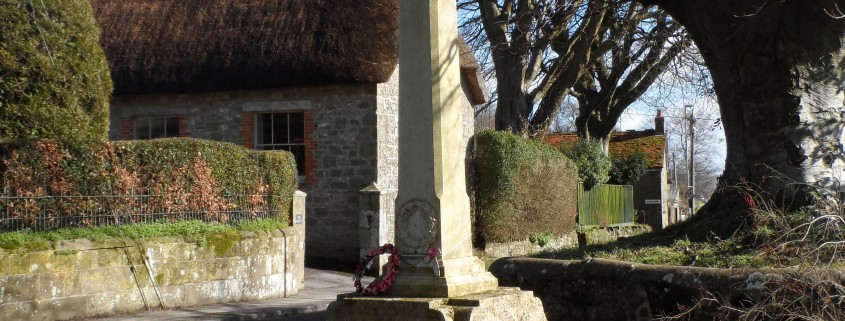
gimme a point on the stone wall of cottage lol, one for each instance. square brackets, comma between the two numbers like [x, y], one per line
[351, 137]
[343, 126]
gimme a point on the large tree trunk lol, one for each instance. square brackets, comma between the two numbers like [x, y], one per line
[513, 108]
[594, 122]
[777, 67]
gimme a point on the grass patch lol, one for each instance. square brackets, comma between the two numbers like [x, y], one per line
[263, 225]
[682, 253]
[654, 249]
[757, 234]
[218, 235]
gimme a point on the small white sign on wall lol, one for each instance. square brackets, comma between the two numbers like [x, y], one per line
[652, 201]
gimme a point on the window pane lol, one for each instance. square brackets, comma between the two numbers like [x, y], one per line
[265, 123]
[297, 128]
[280, 128]
[142, 128]
[172, 129]
[283, 131]
[157, 127]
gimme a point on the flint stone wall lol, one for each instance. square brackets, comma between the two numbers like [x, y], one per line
[83, 279]
[611, 290]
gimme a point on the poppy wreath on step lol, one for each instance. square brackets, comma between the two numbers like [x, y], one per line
[393, 262]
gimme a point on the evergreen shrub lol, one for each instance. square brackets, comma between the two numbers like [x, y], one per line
[522, 187]
[187, 175]
[627, 171]
[54, 78]
[593, 164]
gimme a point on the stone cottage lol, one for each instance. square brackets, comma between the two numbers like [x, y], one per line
[317, 78]
[651, 192]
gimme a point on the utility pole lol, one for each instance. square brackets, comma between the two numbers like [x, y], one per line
[675, 211]
[691, 191]
[674, 170]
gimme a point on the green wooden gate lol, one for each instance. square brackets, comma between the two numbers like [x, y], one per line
[605, 205]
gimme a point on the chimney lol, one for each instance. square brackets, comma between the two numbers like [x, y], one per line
[658, 122]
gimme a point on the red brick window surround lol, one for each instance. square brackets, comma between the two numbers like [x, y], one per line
[248, 129]
[183, 126]
[310, 147]
[126, 128]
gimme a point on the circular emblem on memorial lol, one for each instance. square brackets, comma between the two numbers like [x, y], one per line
[417, 226]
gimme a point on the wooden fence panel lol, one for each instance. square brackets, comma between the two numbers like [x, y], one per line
[605, 205]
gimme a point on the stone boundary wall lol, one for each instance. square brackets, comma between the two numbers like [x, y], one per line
[83, 278]
[611, 290]
[566, 241]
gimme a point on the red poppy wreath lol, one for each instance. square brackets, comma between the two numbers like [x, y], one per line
[393, 262]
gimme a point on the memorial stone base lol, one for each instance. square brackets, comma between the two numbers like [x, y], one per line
[459, 277]
[503, 304]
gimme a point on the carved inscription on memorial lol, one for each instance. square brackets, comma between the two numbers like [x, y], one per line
[417, 224]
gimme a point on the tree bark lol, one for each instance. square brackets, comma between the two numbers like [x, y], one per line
[777, 67]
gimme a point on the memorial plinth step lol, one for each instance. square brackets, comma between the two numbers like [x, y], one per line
[501, 304]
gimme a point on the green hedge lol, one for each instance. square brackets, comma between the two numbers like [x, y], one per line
[54, 78]
[521, 187]
[190, 175]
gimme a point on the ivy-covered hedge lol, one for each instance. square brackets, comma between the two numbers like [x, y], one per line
[521, 187]
[54, 78]
[183, 175]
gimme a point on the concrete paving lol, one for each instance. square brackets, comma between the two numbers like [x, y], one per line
[321, 288]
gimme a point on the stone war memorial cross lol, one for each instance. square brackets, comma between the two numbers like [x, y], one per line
[432, 206]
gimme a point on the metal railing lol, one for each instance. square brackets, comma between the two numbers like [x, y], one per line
[605, 205]
[18, 213]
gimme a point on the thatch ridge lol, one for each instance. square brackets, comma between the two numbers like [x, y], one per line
[156, 46]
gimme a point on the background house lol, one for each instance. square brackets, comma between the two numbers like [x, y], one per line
[651, 192]
[318, 78]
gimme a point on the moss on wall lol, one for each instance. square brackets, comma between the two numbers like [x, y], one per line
[223, 242]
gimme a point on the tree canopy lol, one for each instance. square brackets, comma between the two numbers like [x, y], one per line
[605, 53]
[538, 49]
[645, 40]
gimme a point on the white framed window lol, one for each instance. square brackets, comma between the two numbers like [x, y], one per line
[282, 131]
[156, 127]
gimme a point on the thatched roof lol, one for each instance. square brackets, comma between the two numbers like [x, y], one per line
[471, 75]
[156, 46]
